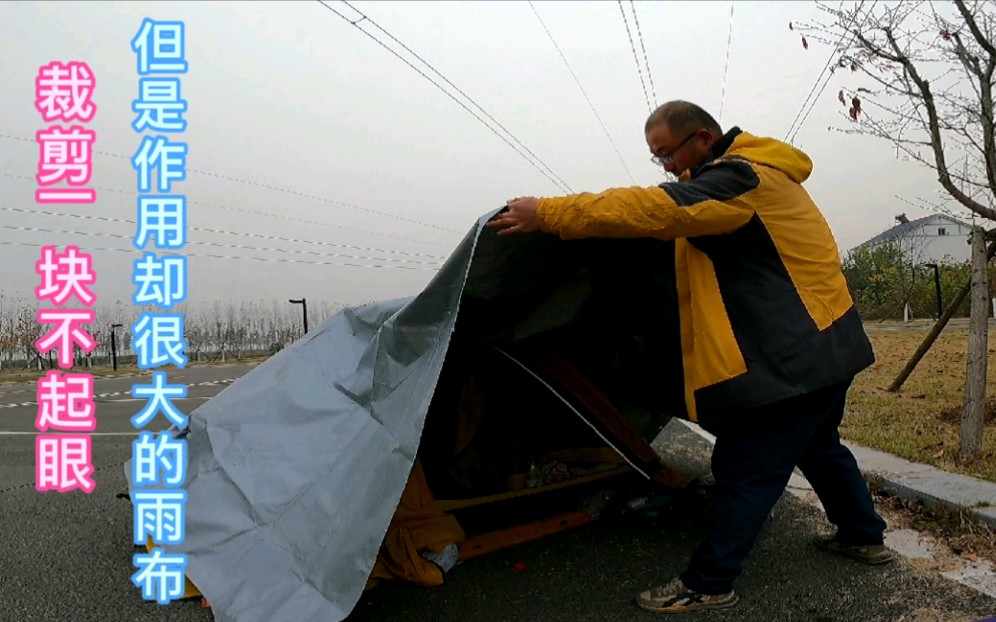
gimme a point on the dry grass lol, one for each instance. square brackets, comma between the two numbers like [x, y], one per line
[921, 421]
[965, 537]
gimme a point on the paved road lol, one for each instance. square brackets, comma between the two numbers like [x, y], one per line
[68, 557]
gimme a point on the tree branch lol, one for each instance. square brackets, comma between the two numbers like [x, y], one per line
[935, 134]
[985, 94]
[973, 27]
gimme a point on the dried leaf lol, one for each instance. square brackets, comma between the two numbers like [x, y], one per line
[863, 90]
[790, 26]
[856, 103]
[805, 43]
[854, 66]
[840, 96]
[972, 557]
[944, 34]
[853, 113]
[938, 455]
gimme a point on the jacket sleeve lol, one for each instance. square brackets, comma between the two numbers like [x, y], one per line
[717, 201]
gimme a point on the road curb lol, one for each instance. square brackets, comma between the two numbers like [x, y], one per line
[936, 488]
[910, 480]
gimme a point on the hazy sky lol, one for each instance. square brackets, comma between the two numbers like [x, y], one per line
[369, 153]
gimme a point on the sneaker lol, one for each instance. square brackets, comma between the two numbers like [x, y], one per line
[676, 598]
[873, 554]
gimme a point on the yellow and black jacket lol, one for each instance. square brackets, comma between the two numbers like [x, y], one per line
[764, 307]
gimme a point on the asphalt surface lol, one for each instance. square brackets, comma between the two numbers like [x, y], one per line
[68, 557]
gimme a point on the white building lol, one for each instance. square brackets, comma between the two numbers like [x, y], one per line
[931, 239]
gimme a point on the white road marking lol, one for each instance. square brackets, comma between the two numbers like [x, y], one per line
[36, 433]
[208, 383]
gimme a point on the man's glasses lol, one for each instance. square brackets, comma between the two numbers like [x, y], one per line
[668, 158]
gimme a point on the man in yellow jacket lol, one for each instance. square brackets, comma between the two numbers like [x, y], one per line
[770, 336]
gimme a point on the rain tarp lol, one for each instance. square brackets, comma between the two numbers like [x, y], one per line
[296, 469]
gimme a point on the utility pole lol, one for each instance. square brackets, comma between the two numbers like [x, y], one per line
[114, 347]
[937, 287]
[304, 309]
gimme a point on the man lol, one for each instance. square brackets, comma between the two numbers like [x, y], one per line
[770, 337]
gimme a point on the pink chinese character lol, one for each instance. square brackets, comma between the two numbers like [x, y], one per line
[65, 156]
[64, 91]
[67, 334]
[63, 462]
[65, 402]
[64, 276]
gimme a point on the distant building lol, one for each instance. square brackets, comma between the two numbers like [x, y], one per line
[930, 239]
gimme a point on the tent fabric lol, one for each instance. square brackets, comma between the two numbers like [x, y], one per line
[297, 469]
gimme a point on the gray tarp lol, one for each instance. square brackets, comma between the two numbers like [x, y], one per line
[296, 469]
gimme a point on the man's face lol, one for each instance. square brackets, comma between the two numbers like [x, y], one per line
[678, 153]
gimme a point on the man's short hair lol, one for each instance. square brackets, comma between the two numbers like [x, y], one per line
[682, 117]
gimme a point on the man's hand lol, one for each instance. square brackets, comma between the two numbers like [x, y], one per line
[520, 217]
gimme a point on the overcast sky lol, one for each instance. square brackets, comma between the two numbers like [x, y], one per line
[301, 127]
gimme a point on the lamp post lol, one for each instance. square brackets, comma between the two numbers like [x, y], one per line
[304, 309]
[937, 287]
[114, 347]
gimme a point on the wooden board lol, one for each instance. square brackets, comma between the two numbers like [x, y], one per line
[485, 544]
[456, 504]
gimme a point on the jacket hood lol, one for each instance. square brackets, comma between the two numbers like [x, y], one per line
[772, 153]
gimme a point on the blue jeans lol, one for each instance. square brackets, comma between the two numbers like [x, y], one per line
[755, 454]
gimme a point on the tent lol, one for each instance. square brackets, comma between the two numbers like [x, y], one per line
[344, 457]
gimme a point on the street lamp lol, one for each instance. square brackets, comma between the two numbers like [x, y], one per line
[304, 309]
[114, 347]
[937, 287]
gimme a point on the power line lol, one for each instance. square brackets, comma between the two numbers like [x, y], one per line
[817, 82]
[254, 213]
[830, 74]
[646, 62]
[548, 173]
[726, 67]
[132, 251]
[632, 46]
[445, 79]
[854, 17]
[215, 244]
[220, 232]
[583, 92]
[268, 187]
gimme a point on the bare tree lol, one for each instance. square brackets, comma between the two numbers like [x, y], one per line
[922, 78]
[929, 72]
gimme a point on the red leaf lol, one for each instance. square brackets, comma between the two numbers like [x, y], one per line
[856, 103]
[805, 43]
[853, 113]
[840, 96]
[944, 33]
